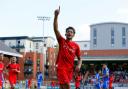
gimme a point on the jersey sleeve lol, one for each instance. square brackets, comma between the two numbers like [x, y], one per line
[78, 51]
[60, 39]
[107, 71]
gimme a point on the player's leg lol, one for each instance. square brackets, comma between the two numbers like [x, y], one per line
[11, 84]
[66, 86]
[61, 86]
[39, 85]
[0, 84]
[62, 77]
[105, 85]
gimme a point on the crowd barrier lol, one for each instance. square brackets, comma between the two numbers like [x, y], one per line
[115, 86]
[21, 85]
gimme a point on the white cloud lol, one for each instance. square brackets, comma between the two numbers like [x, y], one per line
[83, 33]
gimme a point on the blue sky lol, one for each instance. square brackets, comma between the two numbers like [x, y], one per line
[19, 17]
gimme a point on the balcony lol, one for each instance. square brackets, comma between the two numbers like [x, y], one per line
[17, 46]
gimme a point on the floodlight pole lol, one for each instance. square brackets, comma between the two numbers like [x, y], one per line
[43, 18]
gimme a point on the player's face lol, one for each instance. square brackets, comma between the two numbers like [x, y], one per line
[13, 59]
[69, 34]
[104, 66]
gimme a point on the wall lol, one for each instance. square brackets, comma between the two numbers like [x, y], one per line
[104, 36]
[105, 52]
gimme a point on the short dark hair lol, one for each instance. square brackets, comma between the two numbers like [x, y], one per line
[70, 28]
[1, 54]
[105, 64]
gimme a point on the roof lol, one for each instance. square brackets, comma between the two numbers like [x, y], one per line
[109, 23]
[8, 51]
[15, 37]
[83, 41]
[33, 38]
[104, 58]
[24, 37]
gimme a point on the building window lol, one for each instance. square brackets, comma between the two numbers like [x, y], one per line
[30, 45]
[94, 33]
[37, 45]
[123, 36]
[123, 31]
[85, 45]
[112, 32]
[123, 42]
[94, 42]
[112, 37]
[38, 62]
[94, 37]
[18, 42]
[112, 40]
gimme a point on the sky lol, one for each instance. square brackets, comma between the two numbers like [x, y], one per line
[19, 17]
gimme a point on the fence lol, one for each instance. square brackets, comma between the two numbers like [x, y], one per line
[47, 85]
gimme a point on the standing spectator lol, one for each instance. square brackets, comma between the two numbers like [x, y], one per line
[85, 76]
[105, 73]
[1, 71]
[98, 81]
[52, 84]
[14, 69]
[39, 79]
[77, 80]
[68, 50]
[28, 82]
[111, 79]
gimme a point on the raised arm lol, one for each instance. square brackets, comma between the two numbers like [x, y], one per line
[55, 24]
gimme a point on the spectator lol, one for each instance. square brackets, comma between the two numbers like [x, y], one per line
[39, 79]
[111, 79]
[77, 80]
[98, 81]
[105, 73]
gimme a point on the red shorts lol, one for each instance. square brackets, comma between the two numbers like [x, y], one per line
[64, 75]
[12, 80]
[29, 83]
[110, 85]
[77, 84]
[1, 84]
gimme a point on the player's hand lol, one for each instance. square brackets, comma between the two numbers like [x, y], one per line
[15, 70]
[6, 73]
[57, 11]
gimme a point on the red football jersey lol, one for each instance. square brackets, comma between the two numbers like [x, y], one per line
[13, 73]
[1, 73]
[1, 67]
[77, 81]
[67, 52]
